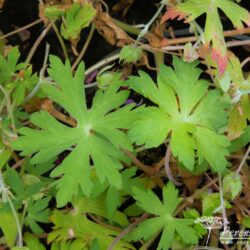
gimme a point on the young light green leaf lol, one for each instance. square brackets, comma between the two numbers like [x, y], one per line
[96, 136]
[76, 18]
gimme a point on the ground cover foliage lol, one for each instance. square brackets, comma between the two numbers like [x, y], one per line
[122, 128]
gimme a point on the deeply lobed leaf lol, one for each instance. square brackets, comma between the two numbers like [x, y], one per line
[187, 110]
[164, 220]
[97, 135]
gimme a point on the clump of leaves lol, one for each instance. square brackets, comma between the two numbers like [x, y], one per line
[164, 221]
[96, 137]
[16, 78]
[187, 111]
[213, 33]
[74, 225]
[237, 87]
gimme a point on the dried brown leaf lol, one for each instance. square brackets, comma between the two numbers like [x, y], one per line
[110, 31]
[190, 180]
[1, 4]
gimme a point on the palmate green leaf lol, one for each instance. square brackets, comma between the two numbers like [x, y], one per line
[213, 33]
[187, 110]
[76, 18]
[97, 135]
[164, 220]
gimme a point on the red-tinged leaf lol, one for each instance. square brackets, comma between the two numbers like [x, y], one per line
[221, 59]
[213, 32]
[173, 13]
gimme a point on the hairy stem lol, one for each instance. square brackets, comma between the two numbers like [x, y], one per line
[21, 29]
[38, 41]
[85, 46]
[61, 41]
[167, 167]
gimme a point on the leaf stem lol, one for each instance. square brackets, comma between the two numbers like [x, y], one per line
[167, 167]
[21, 29]
[9, 107]
[148, 170]
[61, 41]
[38, 41]
[41, 75]
[227, 33]
[151, 21]
[85, 46]
[243, 161]
[127, 230]
[224, 215]
[103, 62]
[6, 198]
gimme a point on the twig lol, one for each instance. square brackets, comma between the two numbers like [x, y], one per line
[21, 29]
[243, 161]
[245, 61]
[148, 170]
[18, 164]
[227, 33]
[103, 224]
[85, 46]
[189, 200]
[237, 43]
[127, 230]
[38, 41]
[139, 164]
[151, 21]
[222, 203]
[216, 186]
[103, 62]
[167, 167]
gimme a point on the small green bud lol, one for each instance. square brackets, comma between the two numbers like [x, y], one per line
[105, 79]
[130, 53]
